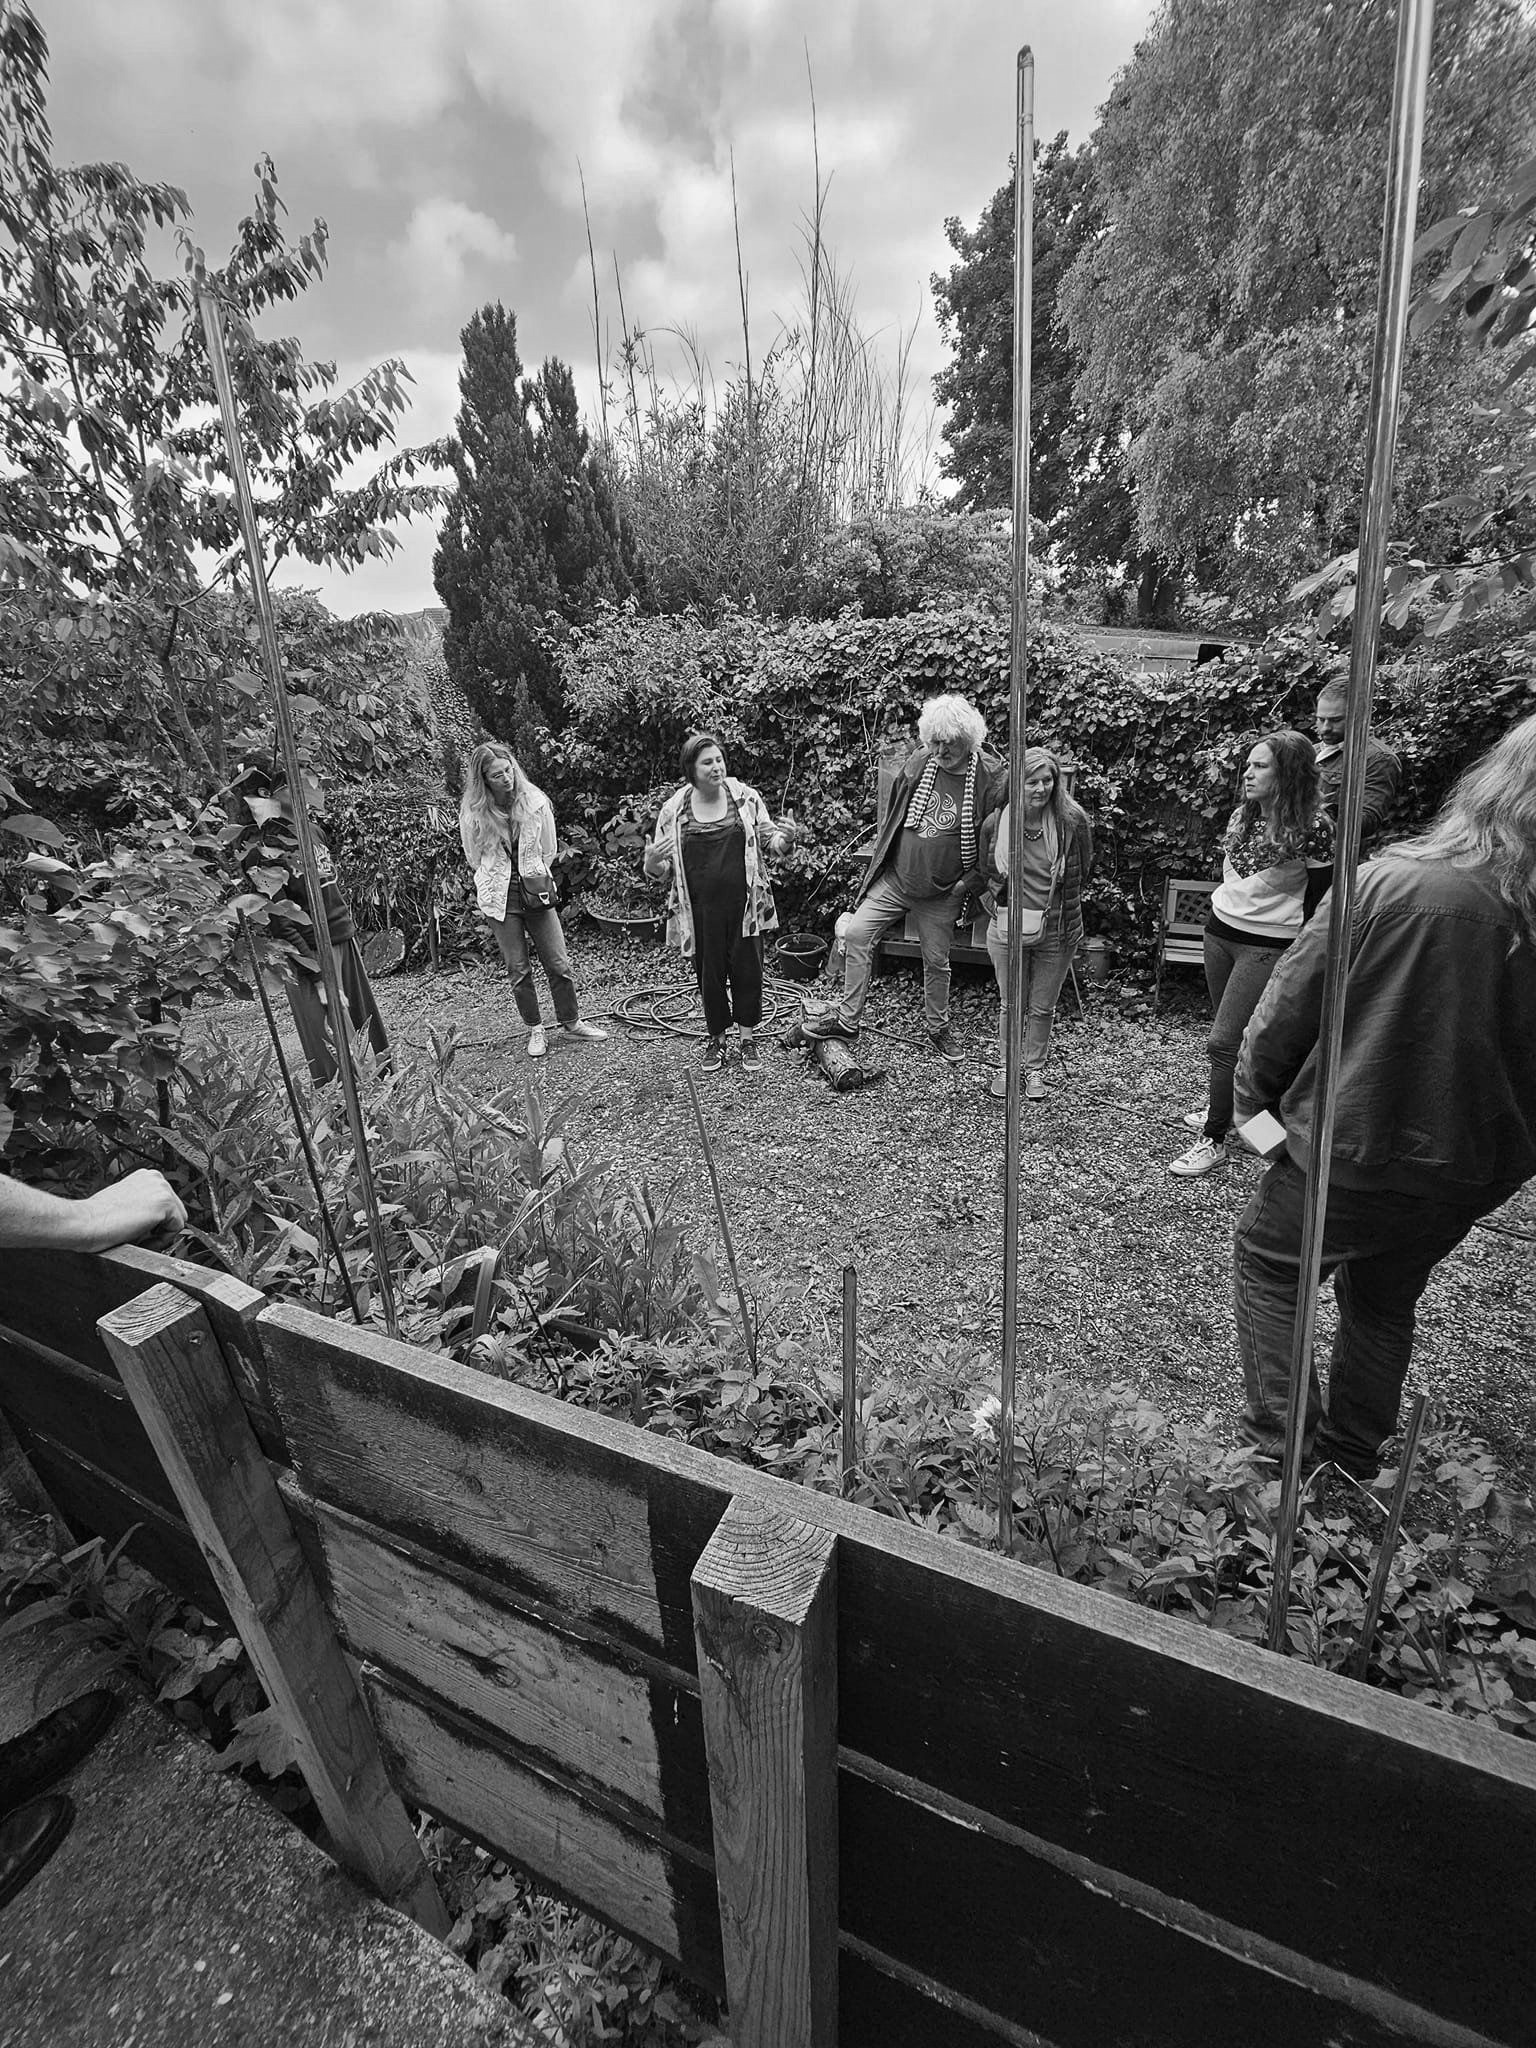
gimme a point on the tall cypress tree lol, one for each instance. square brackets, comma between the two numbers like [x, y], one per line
[532, 539]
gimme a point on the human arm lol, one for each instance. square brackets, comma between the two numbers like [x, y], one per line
[1382, 776]
[131, 1208]
[1282, 1033]
[657, 858]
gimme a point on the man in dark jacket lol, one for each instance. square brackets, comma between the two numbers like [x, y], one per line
[1436, 1109]
[925, 860]
[1382, 769]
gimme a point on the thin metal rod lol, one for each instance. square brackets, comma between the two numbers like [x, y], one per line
[1415, 30]
[330, 974]
[298, 1122]
[1371, 1619]
[749, 1335]
[1018, 704]
[850, 1374]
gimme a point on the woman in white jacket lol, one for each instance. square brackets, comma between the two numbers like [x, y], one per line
[507, 826]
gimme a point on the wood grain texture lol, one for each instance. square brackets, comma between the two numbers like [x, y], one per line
[546, 1499]
[167, 1359]
[1190, 1762]
[765, 1611]
[664, 1897]
[885, 2005]
[57, 1298]
[91, 1504]
[1062, 1948]
[625, 1725]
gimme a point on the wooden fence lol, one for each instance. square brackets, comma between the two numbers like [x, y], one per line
[870, 1785]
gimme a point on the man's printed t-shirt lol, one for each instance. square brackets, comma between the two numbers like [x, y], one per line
[928, 860]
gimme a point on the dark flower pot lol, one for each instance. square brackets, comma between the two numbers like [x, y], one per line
[634, 924]
[799, 955]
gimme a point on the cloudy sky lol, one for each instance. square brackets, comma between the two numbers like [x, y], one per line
[445, 143]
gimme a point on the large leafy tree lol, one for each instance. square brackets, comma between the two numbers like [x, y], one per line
[1224, 314]
[533, 538]
[124, 658]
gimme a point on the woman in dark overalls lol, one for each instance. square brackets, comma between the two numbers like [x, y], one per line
[711, 839]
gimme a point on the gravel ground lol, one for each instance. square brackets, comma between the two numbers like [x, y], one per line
[1124, 1270]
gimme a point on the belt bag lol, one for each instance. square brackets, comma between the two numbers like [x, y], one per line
[1031, 922]
[536, 891]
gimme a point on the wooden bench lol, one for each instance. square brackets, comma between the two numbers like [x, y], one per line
[1181, 924]
[875, 1786]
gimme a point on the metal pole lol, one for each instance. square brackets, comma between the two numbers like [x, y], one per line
[1013, 1011]
[1376, 1599]
[850, 1374]
[1415, 31]
[213, 330]
[298, 1123]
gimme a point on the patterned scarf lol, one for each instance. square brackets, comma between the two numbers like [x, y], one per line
[922, 797]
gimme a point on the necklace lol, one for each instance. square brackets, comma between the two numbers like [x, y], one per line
[1038, 833]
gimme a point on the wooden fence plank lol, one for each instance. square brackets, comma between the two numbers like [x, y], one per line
[57, 1298]
[1056, 1946]
[886, 2007]
[54, 1397]
[453, 1461]
[663, 1896]
[592, 1710]
[1174, 1755]
[765, 1610]
[91, 1504]
[167, 1358]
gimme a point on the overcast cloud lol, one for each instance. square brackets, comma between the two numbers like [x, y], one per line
[445, 143]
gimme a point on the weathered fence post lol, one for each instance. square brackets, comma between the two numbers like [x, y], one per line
[765, 1618]
[171, 1365]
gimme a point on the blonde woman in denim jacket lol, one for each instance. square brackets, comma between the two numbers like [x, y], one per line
[1052, 855]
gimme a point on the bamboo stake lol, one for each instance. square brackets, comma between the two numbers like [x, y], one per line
[1371, 1619]
[1018, 706]
[1415, 30]
[298, 1123]
[749, 1335]
[850, 1444]
[213, 330]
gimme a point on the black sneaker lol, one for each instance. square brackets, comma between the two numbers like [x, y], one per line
[829, 1025]
[751, 1060]
[714, 1056]
[946, 1045]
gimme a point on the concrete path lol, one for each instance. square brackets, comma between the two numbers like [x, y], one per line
[183, 1912]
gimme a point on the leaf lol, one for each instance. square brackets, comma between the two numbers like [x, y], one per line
[27, 825]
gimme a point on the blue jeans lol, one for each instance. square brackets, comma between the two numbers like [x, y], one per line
[1235, 978]
[1380, 1250]
[542, 927]
[1045, 969]
[880, 909]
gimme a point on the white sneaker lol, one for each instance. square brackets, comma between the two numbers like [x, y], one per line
[1198, 1159]
[538, 1044]
[594, 1033]
[1193, 1119]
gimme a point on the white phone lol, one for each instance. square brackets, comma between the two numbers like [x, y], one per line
[1263, 1133]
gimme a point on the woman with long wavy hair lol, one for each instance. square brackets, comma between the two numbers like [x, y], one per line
[507, 829]
[1035, 865]
[1275, 840]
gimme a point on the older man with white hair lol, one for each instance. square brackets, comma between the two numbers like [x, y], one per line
[925, 861]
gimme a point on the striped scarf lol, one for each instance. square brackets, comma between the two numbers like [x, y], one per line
[922, 797]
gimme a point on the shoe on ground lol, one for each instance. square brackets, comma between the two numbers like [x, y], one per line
[829, 1025]
[1034, 1085]
[1194, 1119]
[28, 1837]
[998, 1085]
[714, 1056]
[1200, 1158]
[946, 1045]
[751, 1058]
[538, 1042]
[36, 1759]
[593, 1033]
